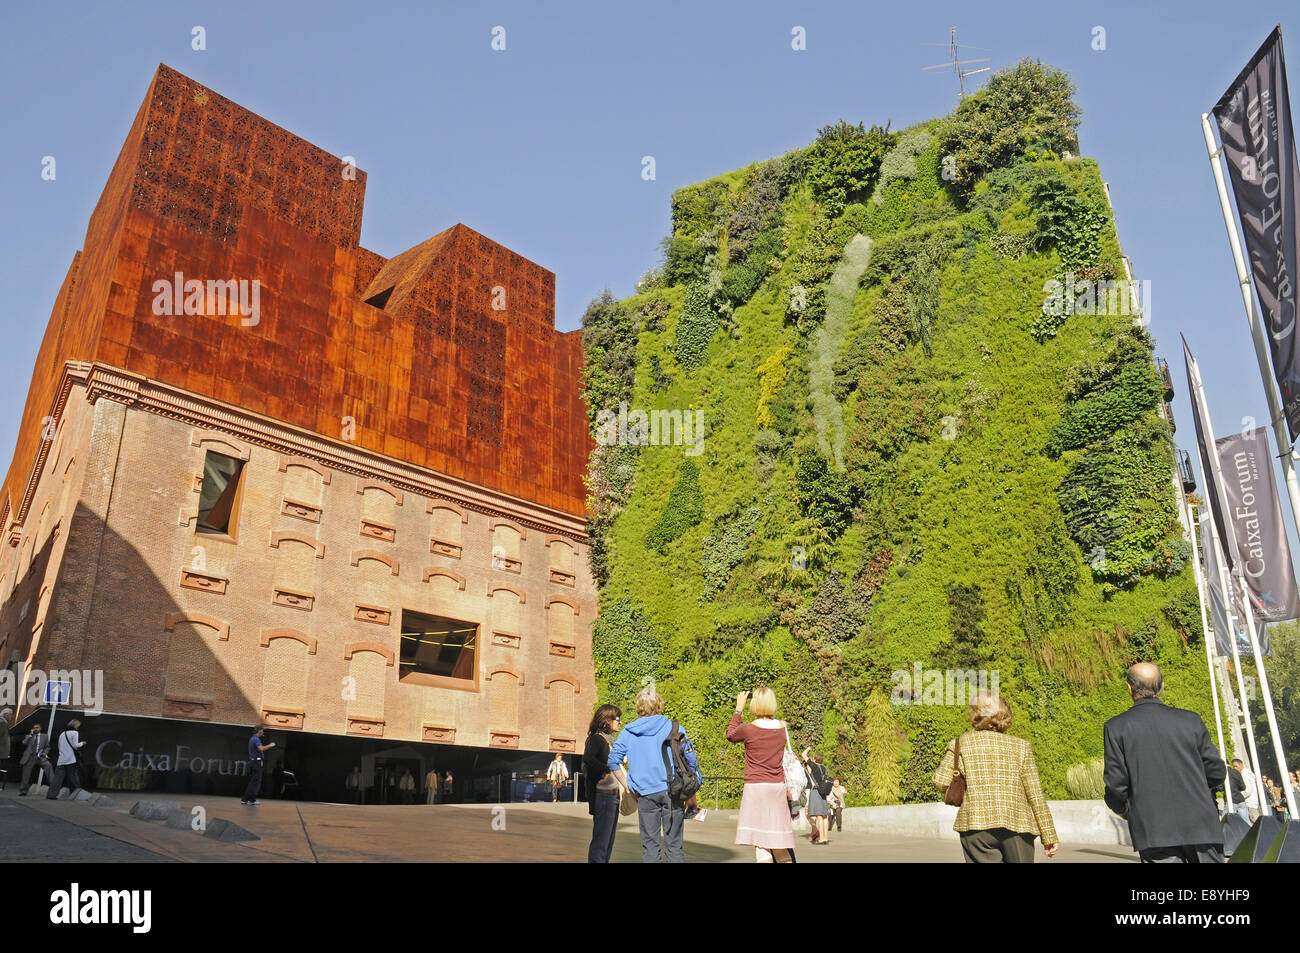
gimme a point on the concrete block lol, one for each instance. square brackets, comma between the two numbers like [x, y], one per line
[228, 831]
[81, 794]
[179, 820]
[1077, 822]
[103, 800]
[154, 810]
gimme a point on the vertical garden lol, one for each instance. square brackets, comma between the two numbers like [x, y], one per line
[913, 454]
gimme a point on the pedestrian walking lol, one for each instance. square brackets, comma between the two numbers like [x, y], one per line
[558, 774]
[837, 804]
[355, 785]
[819, 787]
[431, 786]
[448, 787]
[35, 756]
[255, 750]
[764, 821]
[1003, 807]
[67, 748]
[1237, 788]
[1251, 792]
[1161, 774]
[407, 786]
[604, 790]
[647, 744]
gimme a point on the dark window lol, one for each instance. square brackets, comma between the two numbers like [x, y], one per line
[432, 645]
[219, 498]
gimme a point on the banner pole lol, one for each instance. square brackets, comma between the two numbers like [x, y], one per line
[1256, 328]
[1268, 700]
[1230, 611]
[1209, 660]
[1209, 651]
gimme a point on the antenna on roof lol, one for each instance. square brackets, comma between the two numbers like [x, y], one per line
[956, 64]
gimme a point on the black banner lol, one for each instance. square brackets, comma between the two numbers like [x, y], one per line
[1201, 414]
[1254, 119]
[1255, 512]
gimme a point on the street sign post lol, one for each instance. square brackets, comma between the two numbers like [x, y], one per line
[56, 694]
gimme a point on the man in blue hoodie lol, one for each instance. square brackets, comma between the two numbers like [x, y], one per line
[643, 744]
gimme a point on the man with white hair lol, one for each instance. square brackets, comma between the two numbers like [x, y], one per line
[1161, 774]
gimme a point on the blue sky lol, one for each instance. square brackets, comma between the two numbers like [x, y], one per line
[540, 146]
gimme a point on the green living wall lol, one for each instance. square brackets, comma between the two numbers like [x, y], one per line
[913, 452]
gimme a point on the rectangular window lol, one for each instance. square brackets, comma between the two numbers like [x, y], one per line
[437, 647]
[219, 497]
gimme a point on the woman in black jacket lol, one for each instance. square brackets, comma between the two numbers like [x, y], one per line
[602, 787]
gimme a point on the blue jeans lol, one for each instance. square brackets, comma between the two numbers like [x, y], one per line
[656, 812]
[1242, 811]
[604, 825]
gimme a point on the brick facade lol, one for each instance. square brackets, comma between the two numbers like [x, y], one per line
[457, 492]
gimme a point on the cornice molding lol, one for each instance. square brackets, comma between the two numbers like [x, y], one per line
[166, 400]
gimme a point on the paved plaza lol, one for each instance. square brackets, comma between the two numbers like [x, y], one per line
[34, 829]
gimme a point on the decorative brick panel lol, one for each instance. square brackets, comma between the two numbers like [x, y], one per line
[360, 554]
[444, 548]
[276, 718]
[294, 600]
[177, 708]
[203, 583]
[439, 734]
[372, 727]
[302, 511]
[433, 571]
[376, 530]
[374, 614]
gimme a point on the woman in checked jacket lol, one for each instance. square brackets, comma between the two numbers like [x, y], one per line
[1004, 808]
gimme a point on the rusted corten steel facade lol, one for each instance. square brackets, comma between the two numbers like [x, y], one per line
[412, 433]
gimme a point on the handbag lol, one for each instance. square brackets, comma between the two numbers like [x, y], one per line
[626, 802]
[796, 779]
[957, 787]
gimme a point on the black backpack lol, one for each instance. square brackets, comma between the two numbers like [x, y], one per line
[682, 782]
[821, 780]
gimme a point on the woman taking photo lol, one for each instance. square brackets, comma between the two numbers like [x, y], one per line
[764, 809]
[1003, 808]
[602, 798]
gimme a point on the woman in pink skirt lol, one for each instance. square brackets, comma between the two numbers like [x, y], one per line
[764, 809]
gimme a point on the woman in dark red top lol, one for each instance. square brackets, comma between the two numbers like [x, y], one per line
[764, 810]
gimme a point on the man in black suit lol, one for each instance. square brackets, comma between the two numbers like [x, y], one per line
[35, 755]
[1161, 772]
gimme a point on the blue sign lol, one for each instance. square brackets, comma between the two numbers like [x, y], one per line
[58, 693]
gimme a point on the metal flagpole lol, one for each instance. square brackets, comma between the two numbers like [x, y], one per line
[1229, 610]
[1209, 660]
[1216, 474]
[1268, 700]
[1205, 628]
[1256, 328]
